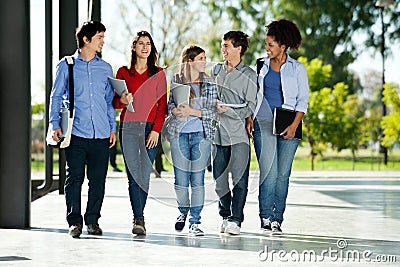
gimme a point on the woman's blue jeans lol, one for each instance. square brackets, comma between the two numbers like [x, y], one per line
[190, 154]
[138, 162]
[274, 171]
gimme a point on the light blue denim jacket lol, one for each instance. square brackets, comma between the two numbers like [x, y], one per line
[294, 85]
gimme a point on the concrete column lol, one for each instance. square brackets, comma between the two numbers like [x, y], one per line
[15, 118]
[94, 10]
[68, 16]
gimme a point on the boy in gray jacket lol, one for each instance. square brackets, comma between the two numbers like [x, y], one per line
[237, 90]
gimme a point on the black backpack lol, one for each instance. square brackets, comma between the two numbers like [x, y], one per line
[260, 63]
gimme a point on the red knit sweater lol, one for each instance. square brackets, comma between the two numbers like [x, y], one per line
[149, 97]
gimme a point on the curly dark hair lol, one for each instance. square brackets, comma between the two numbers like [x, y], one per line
[285, 32]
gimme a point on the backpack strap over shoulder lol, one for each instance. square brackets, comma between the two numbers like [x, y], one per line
[69, 60]
[70, 63]
[260, 63]
[217, 69]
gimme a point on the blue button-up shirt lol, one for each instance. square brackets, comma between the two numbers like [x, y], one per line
[294, 82]
[93, 95]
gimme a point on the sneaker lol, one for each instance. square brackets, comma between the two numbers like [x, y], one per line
[75, 230]
[94, 229]
[194, 230]
[232, 228]
[276, 228]
[266, 225]
[180, 222]
[224, 225]
[138, 227]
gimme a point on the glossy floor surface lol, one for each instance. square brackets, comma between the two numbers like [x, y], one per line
[332, 219]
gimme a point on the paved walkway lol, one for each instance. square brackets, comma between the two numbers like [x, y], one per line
[332, 219]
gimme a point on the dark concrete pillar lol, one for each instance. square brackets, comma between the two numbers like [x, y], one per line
[48, 152]
[68, 16]
[94, 10]
[15, 110]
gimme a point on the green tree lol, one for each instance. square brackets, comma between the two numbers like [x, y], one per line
[334, 117]
[328, 28]
[38, 124]
[37, 109]
[314, 129]
[248, 16]
[318, 73]
[353, 131]
[391, 122]
[371, 101]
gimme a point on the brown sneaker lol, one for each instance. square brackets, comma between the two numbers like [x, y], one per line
[94, 229]
[138, 227]
[75, 230]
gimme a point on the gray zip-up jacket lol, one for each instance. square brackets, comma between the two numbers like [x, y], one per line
[239, 86]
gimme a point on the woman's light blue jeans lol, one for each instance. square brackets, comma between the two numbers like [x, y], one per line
[274, 171]
[190, 154]
[138, 162]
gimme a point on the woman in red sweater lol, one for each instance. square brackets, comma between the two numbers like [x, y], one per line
[139, 130]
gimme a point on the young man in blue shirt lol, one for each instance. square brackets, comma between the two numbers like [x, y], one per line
[93, 130]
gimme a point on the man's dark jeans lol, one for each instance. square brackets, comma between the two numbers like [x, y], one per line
[93, 154]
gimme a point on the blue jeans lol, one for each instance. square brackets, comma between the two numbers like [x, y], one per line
[274, 173]
[190, 153]
[138, 162]
[92, 153]
[234, 159]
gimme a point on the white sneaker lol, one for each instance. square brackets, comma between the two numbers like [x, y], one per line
[232, 228]
[194, 230]
[276, 228]
[224, 225]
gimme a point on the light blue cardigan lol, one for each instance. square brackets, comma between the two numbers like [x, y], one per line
[294, 82]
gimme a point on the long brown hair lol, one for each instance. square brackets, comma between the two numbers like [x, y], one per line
[189, 52]
[151, 60]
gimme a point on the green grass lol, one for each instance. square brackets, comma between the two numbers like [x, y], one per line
[366, 160]
[332, 161]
